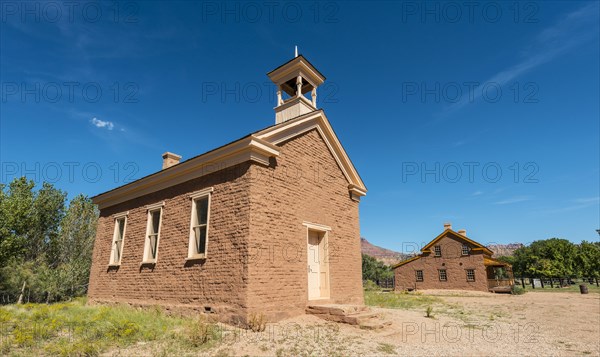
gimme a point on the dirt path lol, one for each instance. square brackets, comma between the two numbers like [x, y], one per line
[463, 324]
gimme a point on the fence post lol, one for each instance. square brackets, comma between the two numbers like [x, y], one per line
[523, 282]
[532, 283]
[542, 282]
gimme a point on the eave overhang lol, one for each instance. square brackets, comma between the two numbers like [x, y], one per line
[406, 261]
[250, 148]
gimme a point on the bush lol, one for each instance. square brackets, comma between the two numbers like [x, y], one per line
[257, 322]
[517, 290]
[371, 286]
[201, 332]
[428, 312]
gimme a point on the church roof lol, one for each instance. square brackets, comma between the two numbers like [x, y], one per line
[258, 147]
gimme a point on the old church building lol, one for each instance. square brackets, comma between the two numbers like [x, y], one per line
[265, 224]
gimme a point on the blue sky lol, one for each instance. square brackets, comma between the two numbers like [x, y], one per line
[485, 115]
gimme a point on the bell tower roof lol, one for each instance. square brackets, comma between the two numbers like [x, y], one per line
[295, 78]
[286, 74]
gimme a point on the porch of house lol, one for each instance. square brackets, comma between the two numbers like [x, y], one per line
[499, 276]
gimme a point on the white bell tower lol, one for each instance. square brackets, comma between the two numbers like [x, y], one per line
[295, 78]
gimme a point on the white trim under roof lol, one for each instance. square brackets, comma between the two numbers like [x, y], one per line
[249, 148]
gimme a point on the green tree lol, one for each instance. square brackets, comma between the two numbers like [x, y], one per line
[29, 220]
[547, 258]
[75, 244]
[16, 211]
[374, 270]
[588, 259]
[43, 247]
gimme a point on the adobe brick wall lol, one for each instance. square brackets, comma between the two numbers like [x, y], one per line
[452, 260]
[304, 184]
[257, 248]
[219, 282]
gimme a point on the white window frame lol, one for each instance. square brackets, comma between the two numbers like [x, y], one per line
[467, 272]
[147, 259]
[465, 247]
[121, 216]
[196, 196]
[445, 274]
[435, 250]
[421, 278]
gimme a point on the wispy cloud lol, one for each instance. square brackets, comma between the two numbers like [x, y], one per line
[573, 30]
[103, 124]
[576, 204]
[513, 200]
[587, 200]
[477, 193]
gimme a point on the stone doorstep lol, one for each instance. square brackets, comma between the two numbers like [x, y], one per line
[335, 309]
[360, 316]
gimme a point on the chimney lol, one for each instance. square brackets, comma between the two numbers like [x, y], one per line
[463, 232]
[170, 159]
[447, 225]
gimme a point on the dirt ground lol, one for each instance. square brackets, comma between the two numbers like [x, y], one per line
[463, 324]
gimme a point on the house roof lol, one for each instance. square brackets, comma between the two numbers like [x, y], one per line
[258, 147]
[487, 261]
[460, 237]
[406, 261]
[426, 249]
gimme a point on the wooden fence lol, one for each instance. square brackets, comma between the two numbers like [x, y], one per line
[542, 282]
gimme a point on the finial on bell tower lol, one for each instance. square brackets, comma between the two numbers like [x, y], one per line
[295, 78]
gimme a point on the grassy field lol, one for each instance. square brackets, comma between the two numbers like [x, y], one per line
[74, 329]
[399, 301]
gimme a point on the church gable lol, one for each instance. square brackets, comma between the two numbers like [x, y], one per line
[317, 121]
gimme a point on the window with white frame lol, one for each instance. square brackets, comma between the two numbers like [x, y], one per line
[118, 237]
[442, 274]
[199, 224]
[419, 275]
[437, 250]
[470, 274]
[465, 249]
[152, 234]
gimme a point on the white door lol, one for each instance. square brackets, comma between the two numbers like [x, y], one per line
[314, 266]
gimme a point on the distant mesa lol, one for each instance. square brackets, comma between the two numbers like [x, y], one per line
[390, 257]
[504, 250]
[386, 256]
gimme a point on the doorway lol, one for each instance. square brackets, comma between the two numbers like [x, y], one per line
[318, 265]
